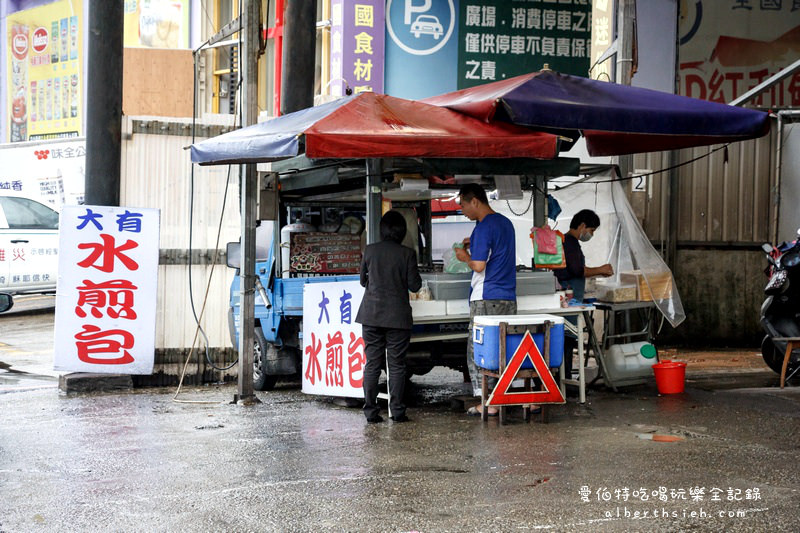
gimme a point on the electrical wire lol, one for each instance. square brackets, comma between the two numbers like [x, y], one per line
[199, 329]
[588, 176]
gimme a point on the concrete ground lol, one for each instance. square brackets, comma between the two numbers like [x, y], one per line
[721, 456]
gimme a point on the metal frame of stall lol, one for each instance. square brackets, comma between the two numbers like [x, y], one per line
[299, 175]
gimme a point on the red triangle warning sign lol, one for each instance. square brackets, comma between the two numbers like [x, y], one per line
[550, 392]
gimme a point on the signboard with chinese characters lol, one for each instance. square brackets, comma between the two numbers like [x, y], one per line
[603, 28]
[357, 44]
[329, 253]
[106, 297]
[44, 59]
[728, 47]
[51, 172]
[499, 39]
[333, 349]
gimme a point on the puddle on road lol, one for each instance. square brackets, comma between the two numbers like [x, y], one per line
[13, 380]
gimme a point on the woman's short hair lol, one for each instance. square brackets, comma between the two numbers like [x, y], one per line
[393, 227]
[585, 216]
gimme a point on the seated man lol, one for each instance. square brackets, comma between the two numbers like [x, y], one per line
[581, 229]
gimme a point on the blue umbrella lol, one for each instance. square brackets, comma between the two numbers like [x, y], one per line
[615, 119]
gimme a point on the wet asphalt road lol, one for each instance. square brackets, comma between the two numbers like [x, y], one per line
[140, 461]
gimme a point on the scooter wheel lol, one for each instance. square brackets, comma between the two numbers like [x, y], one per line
[774, 357]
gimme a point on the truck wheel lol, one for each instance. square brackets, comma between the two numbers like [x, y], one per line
[261, 380]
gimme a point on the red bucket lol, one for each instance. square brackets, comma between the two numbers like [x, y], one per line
[670, 376]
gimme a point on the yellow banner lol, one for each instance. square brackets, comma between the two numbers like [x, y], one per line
[45, 53]
[157, 23]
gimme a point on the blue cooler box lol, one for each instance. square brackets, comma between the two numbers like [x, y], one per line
[486, 339]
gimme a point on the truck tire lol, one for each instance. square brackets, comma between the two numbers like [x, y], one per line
[261, 380]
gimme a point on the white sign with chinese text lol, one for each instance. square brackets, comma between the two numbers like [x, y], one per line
[333, 349]
[106, 295]
[51, 172]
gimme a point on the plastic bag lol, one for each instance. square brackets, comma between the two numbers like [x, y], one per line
[552, 261]
[424, 292]
[553, 208]
[545, 239]
[451, 263]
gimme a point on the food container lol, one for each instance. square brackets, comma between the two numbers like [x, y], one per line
[656, 286]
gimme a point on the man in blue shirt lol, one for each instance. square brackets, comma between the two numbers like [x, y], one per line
[491, 254]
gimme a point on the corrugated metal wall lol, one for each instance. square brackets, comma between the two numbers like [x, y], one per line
[719, 203]
[156, 172]
[725, 211]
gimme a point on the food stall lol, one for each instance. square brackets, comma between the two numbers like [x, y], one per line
[312, 283]
[304, 310]
[365, 141]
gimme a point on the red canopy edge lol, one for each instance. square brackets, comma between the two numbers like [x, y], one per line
[336, 145]
[604, 143]
[377, 125]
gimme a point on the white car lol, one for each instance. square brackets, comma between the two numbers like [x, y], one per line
[28, 246]
[427, 25]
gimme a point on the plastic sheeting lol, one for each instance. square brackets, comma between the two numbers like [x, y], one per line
[615, 119]
[620, 241]
[375, 125]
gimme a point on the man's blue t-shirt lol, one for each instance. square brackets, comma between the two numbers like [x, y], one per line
[493, 241]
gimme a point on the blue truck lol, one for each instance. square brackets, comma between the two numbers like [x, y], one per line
[437, 339]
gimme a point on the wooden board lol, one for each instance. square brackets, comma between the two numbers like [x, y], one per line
[157, 82]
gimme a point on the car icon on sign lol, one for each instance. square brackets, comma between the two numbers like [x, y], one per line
[427, 25]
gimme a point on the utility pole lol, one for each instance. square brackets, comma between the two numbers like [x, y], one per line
[248, 70]
[626, 20]
[104, 94]
[299, 45]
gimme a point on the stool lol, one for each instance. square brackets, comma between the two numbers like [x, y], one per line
[792, 343]
[525, 374]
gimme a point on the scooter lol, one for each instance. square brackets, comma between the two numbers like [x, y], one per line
[780, 312]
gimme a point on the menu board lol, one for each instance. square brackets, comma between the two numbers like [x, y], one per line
[325, 253]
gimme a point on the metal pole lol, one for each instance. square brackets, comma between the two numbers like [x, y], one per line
[104, 94]
[626, 18]
[539, 201]
[673, 189]
[278, 59]
[300, 35]
[673, 206]
[776, 197]
[248, 61]
[374, 171]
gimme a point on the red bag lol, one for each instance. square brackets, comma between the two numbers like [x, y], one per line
[552, 261]
[545, 238]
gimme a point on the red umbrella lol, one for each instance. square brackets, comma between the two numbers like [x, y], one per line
[370, 125]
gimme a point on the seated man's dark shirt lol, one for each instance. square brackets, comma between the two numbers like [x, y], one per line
[573, 256]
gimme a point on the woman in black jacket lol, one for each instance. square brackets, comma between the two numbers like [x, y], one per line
[388, 272]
